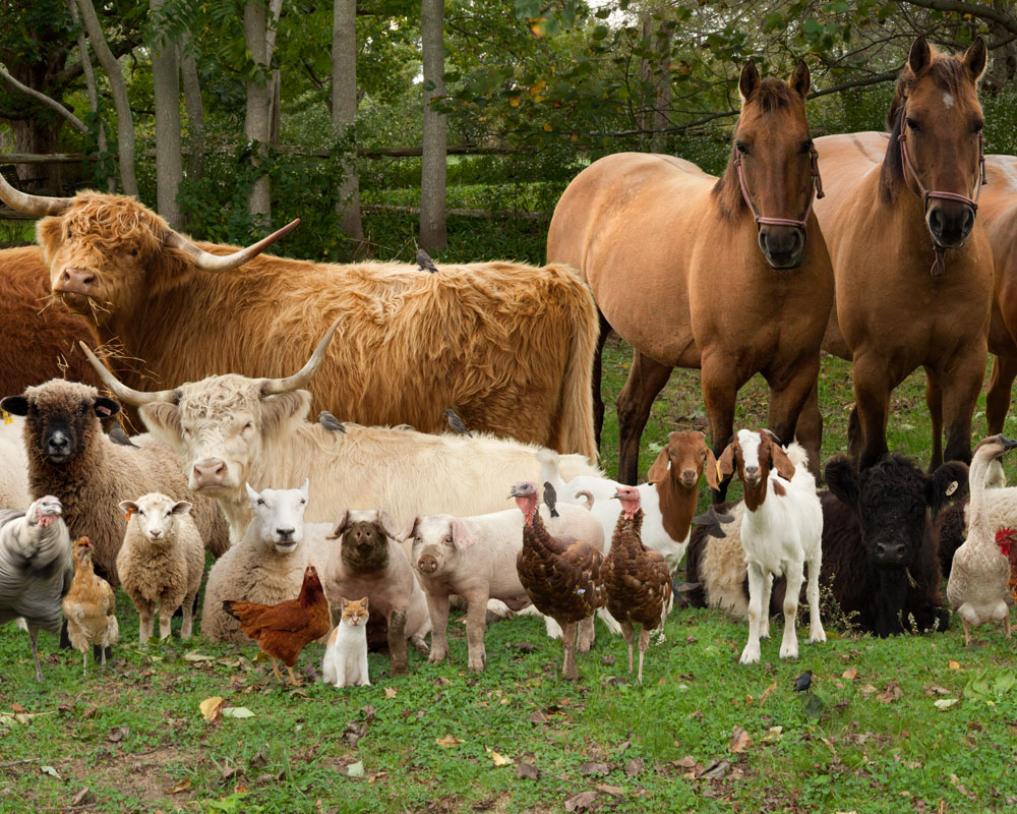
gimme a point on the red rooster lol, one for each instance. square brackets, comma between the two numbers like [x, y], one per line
[1006, 539]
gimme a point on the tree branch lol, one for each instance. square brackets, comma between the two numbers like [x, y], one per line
[42, 98]
[974, 9]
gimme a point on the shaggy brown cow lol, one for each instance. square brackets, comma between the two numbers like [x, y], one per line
[40, 336]
[509, 347]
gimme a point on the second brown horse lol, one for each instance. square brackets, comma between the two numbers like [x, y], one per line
[730, 275]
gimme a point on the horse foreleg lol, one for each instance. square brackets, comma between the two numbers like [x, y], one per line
[598, 368]
[873, 384]
[934, 401]
[962, 382]
[997, 402]
[720, 383]
[646, 379]
[790, 390]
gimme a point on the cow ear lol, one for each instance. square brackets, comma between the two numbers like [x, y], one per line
[342, 524]
[104, 407]
[659, 468]
[946, 484]
[461, 534]
[712, 475]
[785, 468]
[182, 507]
[842, 479]
[280, 411]
[15, 405]
[49, 235]
[163, 421]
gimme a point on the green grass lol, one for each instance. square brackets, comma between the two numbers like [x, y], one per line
[871, 743]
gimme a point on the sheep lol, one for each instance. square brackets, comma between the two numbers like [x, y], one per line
[668, 499]
[781, 532]
[14, 492]
[267, 564]
[70, 456]
[161, 561]
[716, 569]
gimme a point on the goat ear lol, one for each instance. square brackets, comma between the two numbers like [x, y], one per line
[341, 525]
[725, 466]
[712, 476]
[785, 468]
[946, 484]
[659, 467]
[15, 405]
[842, 479]
[461, 534]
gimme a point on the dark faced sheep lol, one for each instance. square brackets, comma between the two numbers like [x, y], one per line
[70, 457]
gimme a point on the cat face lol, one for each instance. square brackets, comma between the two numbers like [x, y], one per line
[354, 611]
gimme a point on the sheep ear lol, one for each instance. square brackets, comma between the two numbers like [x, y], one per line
[659, 468]
[712, 476]
[15, 405]
[725, 466]
[104, 407]
[305, 490]
[341, 525]
[948, 483]
[461, 535]
[842, 479]
[785, 468]
[128, 506]
[182, 507]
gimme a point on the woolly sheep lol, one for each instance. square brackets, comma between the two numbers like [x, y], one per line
[14, 492]
[161, 561]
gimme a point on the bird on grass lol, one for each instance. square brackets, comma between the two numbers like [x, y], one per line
[455, 423]
[425, 263]
[804, 681]
[330, 422]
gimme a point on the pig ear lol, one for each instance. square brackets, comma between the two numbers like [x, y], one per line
[391, 529]
[409, 531]
[461, 534]
[712, 476]
[341, 525]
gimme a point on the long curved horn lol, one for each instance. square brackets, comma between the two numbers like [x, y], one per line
[303, 376]
[37, 205]
[133, 397]
[225, 262]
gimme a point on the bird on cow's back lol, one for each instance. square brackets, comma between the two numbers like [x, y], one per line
[455, 423]
[425, 263]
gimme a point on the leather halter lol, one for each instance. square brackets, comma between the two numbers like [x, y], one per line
[817, 182]
[939, 253]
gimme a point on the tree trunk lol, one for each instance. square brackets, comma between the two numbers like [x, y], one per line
[662, 91]
[1003, 60]
[195, 112]
[92, 89]
[645, 118]
[258, 116]
[168, 158]
[125, 122]
[433, 236]
[344, 115]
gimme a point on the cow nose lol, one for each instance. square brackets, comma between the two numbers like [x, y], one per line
[75, 280]
[210, 472]
[57, 443]
[285, 535]
[890, 551]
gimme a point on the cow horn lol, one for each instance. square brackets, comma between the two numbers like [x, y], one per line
[225, 262]
[37, 205]
[303, 376]
[133, 397]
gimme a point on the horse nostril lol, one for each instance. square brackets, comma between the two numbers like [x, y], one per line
[936, 221]
[969, 222]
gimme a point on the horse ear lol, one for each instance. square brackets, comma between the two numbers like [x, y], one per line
[785, 468]
[920, 56]
[712, 476]
[976, 59]
[725, 466]
[842, 479]
[800, 80]
[749, 81]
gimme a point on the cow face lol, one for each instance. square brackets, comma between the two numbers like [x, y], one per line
[62, 419]
[223, 427]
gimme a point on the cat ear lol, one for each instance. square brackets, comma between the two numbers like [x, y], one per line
[342, 603]
[364, 602]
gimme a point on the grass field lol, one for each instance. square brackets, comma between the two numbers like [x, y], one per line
[916, 724]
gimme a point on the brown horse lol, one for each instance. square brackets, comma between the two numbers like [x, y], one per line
[913, 269]
[729, 275]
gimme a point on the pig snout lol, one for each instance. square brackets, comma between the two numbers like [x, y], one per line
[427, 564]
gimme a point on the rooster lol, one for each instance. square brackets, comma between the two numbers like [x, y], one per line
[1006, 539]
[638, 581]
[284, 629]
[561, 576]
[90, 608]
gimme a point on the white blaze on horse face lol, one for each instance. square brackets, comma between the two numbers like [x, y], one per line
[749, 442]
[948, 100]
[280, 512]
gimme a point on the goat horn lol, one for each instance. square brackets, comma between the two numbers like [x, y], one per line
[303, 376]
[37, 205]
[126, 394]
[225, 262]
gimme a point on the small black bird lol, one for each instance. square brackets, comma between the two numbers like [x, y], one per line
[804, 681]
[330, 422]
[425, 262]
[550, 499]
[455, 423]
[118, 436]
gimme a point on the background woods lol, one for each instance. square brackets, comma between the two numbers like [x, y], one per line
[229, 115]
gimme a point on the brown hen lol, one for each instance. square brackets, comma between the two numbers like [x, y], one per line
[561, 576]
[637, 580]
[284, 629]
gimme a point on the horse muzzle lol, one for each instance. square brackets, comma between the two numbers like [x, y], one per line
[782, 246]
[950, 223]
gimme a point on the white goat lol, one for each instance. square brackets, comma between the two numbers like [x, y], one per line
[781, 531]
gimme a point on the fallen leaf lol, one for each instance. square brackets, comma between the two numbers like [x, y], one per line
[50, 771]
[499, 759]
[448, 741]
[945, 703]
[687, 762]
[850, 674]
[740, 740]
[774, 733]
[953, 665]
[767, 693]
[82, 797]
[18, 708]
[634, 767]
[182, 786]
[868, 689]
[391, 692]
[614, 791]
[716, 770]
[237, 712]
[527, 771]
[211, 708]
[196, 657]
[581, 802]
[594, 768]
[118, 733]
[355, 769]
[892, 693]
[228, 772]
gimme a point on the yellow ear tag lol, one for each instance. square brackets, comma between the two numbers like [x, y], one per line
[720, 475]
[7, 417]
[129, 515]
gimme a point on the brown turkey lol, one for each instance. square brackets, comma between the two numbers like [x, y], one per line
[561, 575]
[637, 580]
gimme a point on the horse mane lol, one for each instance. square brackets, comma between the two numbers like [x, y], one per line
[949, 75]
[771, 96]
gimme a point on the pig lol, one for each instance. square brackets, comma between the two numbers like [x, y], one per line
[475, 558]
[372, 563]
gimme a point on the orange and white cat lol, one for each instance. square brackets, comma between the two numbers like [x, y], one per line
[345, 663]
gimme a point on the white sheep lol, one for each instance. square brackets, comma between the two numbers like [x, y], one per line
[267, 564]
[14, 493]
[781, 531]
[161, 561]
